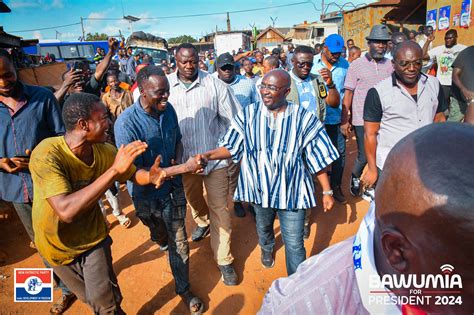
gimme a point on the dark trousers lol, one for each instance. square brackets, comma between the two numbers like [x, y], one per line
[338, 140]
[165, 218]
[92, 278]
[291, 226]
[24, 212]
[361, 160]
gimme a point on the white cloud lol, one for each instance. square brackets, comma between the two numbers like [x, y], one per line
[57, 4]
[19, 4]
[37, 35]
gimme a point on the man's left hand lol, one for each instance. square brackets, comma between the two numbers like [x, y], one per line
[157, 174]
[328, 202]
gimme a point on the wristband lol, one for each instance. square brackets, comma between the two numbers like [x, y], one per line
[328, 193]
[331, 86]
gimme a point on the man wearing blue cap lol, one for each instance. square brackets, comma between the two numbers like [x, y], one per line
[330, 58]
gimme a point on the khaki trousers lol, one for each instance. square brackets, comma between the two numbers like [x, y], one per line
[214, 212]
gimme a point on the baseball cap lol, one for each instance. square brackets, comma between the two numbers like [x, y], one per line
[225, 59]
[334, 43]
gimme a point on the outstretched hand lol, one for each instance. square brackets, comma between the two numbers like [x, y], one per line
[126, 155]
[196, 164]
[157, 174]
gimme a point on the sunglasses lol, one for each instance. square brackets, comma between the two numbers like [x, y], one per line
[301, 65]
[405, 64]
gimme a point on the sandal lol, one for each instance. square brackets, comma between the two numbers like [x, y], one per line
[192, 302]
[124, 221]
[61, 305]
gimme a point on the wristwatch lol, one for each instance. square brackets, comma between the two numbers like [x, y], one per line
[328, 193]
[331, 86]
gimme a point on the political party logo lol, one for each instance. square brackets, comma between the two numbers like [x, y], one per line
[443, 288]
[33, 285]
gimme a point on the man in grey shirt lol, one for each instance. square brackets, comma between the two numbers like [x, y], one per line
[205, 106]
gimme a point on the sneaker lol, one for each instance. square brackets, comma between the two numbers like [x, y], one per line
[355, 186]
[267, 259]
[338, 195]
[229, 277]
[199, 233]
[369, 194]
[164, 248]
[306, 232]
[239, 209]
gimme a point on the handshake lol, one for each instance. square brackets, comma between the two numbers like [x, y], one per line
[196, 164]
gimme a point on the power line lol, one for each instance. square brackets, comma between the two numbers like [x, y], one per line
[208, 14]
[46, 28]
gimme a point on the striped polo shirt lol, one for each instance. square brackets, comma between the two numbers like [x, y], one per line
[278, 155]
[362, 75]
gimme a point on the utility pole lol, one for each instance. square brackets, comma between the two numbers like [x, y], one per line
[273, 20]
[228, 22]
[83, 32]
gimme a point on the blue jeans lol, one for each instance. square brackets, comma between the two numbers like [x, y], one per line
[23, 210]
[165, 218]
[338, 140]
[291, 226]
[361, 160]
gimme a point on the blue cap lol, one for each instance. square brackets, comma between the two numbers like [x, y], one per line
[334, 43]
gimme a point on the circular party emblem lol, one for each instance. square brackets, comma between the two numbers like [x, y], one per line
[33, 285]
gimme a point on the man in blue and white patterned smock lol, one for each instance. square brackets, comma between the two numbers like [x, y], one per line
[280, 145]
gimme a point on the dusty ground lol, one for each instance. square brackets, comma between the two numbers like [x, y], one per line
[144, 274]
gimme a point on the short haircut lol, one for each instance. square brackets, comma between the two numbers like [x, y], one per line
[6, 54]
[186, 46]
[304, 50]
[349, 40]
[145, 74]
[452, 32]
[353, 49]
[247, 59]
[396, 36]
[318, 46]
[111, 73]
[78, 106]
[406, 44]
[147, 59]
[273, 61]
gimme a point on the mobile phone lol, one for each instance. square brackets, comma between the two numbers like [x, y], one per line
[322, 90]
[24, 156]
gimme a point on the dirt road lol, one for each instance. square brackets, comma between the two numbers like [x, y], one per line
[144, 274]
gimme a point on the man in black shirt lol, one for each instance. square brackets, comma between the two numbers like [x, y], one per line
[462, 90]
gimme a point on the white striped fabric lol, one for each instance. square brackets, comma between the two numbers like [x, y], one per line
[278, 155]
[204, 111]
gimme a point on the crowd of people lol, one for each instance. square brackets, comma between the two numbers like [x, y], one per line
[270, 130]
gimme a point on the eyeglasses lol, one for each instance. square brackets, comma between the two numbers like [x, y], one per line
[301, 65]
[269, 87]
[405, 64]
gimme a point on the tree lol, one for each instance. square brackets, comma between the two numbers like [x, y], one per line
[182, 39]
[96, 36]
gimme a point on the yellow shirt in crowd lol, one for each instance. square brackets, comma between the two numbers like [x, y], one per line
[56, 170]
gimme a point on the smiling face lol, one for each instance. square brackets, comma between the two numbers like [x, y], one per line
[98, 124]
[8, 77]
[274, 89]
[154, 93]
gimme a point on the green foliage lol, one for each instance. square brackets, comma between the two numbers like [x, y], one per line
[96, 36]
[182, 39]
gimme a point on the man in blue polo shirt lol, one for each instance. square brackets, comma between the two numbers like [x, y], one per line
[330, 58]
[153, 120]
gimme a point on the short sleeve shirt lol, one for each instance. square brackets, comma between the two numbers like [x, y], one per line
[444, 58]
[465, 62]
[363, 74]
[55, 171]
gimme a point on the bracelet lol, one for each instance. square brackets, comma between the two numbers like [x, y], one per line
[331, 86]
[328, 193]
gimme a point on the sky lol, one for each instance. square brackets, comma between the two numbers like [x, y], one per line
[33, 15]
